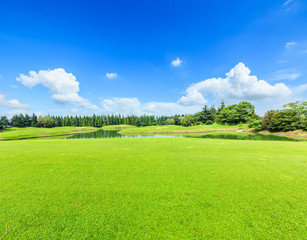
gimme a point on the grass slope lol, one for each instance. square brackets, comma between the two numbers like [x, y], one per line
[31, 132]
[152, 189]
[117, 127]
[181, 129]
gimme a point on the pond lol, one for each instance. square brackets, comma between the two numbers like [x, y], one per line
[245, 136]
[216, 135]
[115, 134]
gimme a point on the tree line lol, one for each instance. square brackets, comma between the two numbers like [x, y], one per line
[292, 117]
[22, 120]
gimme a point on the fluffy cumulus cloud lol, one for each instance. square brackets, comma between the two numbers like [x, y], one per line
[238, 85]
[111, 75]
[128, 106]
[168, 108]
[122, 105]
[177, 62]
[12, 104]
[63, 86]
[193, 97]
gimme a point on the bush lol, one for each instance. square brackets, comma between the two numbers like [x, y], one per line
[209, 122]
[256, 124]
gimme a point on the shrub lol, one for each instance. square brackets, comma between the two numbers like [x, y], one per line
[256, 124]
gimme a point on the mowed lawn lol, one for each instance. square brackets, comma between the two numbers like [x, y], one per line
[179, 188]
[34, 132]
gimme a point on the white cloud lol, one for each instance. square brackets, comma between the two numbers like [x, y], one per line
[128, 106]
[284, 74]
[169, 108]
[122, 105]
[287, 2]
[63, 86]
[238, 85]
[13, 103]
[176, 62]
[193, 97]
[111, 75]
[290, 44]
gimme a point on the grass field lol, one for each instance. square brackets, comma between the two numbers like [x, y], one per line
[117, 127]
[180, 129]
[179, 188]
[31, 132]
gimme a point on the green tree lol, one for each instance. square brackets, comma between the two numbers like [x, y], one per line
[236, 113]
[1, 123]
[4, 122]
[303, 122]
[187, 120]
[267, 119]
[170, 121]
[34, 120]
[17, 121]
[284, 120]
[27, 121]
[46, 122]
[299, 106]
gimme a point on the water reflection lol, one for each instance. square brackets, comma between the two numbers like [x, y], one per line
[114, 134]
[218, 135]
[246, 136]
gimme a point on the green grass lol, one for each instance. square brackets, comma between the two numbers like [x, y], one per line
[117, 127]
[181, 129]
[179, 188]
[31, 132]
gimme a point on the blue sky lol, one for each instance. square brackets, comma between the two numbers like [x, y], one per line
[153, 57]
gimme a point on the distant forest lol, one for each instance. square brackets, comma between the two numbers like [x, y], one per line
[292, 117]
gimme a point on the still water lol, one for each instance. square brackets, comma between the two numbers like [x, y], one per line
[247, 136]
[115, 134]
[217, 135]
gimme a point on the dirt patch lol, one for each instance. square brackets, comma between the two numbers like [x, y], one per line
[296, 133]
